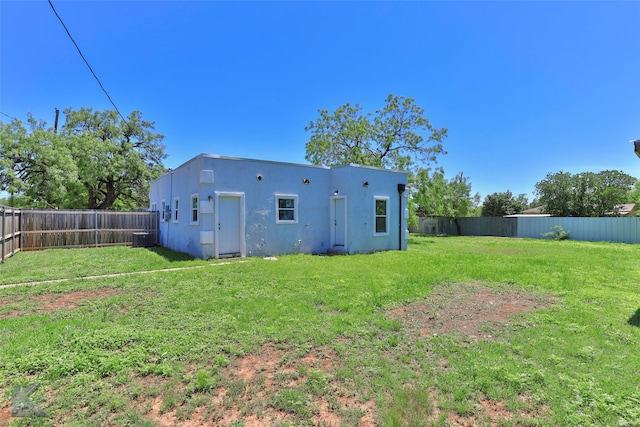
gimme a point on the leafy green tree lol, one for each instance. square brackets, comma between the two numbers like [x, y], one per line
[97, 161]
[434, 195]
[585, 194]
[555, 193]
[634, 195]
[36, 164]
[501, 204]
[611, 189]
[397, 136]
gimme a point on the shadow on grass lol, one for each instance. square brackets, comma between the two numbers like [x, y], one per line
[417, 239]
[168, 254]
[635, 319]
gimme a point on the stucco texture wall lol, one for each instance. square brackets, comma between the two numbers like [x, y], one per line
[257, 185]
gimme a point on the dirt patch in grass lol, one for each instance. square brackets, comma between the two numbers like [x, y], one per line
[48, 303]
[273, 386]
[279, 385]
[5, 414]
[282, 386]
[472, 311]
[469, 310]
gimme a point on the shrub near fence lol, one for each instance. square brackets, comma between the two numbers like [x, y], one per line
[45, 229]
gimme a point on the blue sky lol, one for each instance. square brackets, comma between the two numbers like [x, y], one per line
[525, 88]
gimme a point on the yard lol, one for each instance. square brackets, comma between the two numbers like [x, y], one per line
[455, 331]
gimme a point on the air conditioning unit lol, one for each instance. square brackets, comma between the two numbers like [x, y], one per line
[143, 240]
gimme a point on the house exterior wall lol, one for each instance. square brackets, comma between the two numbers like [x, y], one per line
[380, 184]
[256, 186]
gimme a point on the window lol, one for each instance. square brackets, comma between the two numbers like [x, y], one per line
[381, 215]
[194, 209]
[164, 210]
[154, 207]
[176, 205]
[286, 209]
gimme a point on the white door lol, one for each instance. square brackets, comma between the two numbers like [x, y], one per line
[229, 225]
[339, 222]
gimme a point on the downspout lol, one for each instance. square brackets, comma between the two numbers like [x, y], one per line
[401, 188]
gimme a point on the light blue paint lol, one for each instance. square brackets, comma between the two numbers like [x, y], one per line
[257, 184]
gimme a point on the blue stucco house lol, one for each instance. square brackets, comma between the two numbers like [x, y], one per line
[214, 206]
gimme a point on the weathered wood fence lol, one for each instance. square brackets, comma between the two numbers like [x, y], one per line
[35, 229]
[10, 229]
[619, 229]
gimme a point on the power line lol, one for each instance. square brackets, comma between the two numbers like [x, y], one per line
[5, 114]
[86, 62]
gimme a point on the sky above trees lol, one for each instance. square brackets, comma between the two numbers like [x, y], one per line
[524, 88]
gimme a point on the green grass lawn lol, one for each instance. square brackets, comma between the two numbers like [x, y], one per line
[313, 340]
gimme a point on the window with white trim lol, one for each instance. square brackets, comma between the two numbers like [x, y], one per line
[164, 210]
[154, 207]
[194, 208]
[286, 209]
[381, 222]
[176, 206]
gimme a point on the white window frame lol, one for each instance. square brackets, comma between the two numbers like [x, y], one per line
[176, 208]
[294, 197]
[386, 199]
[154, 207]
[195, 210]
[163, 203]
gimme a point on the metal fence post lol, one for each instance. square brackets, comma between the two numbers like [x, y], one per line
[96, 227]
[13, 231]
[21, 229]
[4, 220]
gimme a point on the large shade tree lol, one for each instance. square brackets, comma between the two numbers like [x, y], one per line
[634, 195]
[586, 194]
[504, 203]
[396, 136]
[96, 161]
[435, 195]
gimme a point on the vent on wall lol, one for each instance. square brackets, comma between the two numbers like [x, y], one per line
[206, 177]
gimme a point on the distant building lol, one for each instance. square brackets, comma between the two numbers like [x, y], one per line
[625, 209]
[539, 210]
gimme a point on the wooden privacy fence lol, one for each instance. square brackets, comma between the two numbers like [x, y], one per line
[10, 229]
[31, 229]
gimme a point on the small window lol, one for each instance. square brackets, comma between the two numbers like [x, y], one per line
[194, 209]
[164, 210]
[154, 207]
[176, 206]
[381, 215]
[286, 209]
